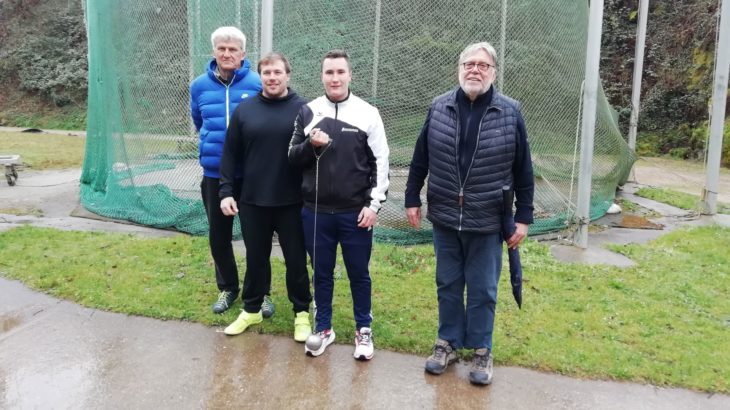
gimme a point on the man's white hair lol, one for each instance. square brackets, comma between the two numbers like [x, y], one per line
[473, 48]
[228, 33]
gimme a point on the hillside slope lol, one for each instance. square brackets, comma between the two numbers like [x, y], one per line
[43, 66]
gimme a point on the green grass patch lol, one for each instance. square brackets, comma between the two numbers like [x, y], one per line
[44, 151]
[36, 115]
[678, 199]
[662, 322]
[628, 206]
[636, 209]
[22, 210]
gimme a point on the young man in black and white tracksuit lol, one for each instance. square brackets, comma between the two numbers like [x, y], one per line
[339, 141]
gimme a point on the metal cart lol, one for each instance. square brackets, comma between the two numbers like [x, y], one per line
[10, 162]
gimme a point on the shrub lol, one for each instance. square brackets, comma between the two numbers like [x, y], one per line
[53, 62]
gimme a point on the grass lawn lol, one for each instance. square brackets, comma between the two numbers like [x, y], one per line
[664, 321]
[634, 208]
[678, 199]
[44, 151]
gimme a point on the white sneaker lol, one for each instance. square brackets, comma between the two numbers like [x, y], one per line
[364, 349]
[326, 337]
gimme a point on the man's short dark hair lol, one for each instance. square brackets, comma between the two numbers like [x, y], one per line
[270, 58]
[338, 53]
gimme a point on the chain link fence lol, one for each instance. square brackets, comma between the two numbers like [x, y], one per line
[141, 155]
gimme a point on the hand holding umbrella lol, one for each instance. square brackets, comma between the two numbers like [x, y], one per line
[508, 229]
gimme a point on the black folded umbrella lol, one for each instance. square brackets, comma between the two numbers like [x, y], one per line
[508, 229]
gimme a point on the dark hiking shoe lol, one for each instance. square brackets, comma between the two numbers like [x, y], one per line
[481, 367]
[268, 308]
[443, 355]
[225, 300]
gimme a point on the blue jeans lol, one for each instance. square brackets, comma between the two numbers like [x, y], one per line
[473, 260]
[356, 244]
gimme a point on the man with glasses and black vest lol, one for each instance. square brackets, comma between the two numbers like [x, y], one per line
[473, 143]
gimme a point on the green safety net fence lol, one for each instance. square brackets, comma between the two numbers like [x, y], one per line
[141, 153]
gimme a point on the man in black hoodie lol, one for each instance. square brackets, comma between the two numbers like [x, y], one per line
[271, 201]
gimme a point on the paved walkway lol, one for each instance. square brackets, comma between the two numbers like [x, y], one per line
[56, 354]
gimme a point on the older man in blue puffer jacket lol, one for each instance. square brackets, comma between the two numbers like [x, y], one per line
[213, 98]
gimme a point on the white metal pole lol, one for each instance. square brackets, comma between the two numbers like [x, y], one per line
[193, 15]
[255, 37]
[638, 71]
[238, 15]
[590, 92]
[267, 27]
[717, 119]
[502, 46]
[376, 49]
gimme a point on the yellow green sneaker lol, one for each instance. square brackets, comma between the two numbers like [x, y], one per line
[244, 320]
[302, 327]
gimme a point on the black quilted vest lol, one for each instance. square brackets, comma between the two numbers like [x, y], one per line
[480, 209]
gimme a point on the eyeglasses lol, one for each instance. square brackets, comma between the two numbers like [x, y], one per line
[482, 67]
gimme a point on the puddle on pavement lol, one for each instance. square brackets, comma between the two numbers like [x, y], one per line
[275, 373]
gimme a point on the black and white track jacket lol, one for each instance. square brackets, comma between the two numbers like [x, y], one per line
[353, 168]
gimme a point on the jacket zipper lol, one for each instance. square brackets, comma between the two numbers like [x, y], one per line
[228, 98]
[473, 155]
[458, 169]
[333, 172]
[228, 113]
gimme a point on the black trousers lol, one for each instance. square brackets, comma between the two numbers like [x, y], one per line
[220, 235]
[259, 224]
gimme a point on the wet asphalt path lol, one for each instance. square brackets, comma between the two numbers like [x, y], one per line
[56, 354]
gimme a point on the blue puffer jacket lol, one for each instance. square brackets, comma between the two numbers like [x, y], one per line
[211, 105]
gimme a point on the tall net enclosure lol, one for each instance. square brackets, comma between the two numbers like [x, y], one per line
[141, 161]
[141, 155]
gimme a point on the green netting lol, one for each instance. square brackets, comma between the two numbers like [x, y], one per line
[141, 154]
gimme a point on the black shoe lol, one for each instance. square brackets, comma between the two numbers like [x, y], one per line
[481, 367]
[443, 355]
[225, 300]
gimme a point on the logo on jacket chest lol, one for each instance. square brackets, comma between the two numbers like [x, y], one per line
[245, 95]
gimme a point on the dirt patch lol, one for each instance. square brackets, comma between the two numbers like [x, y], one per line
[637, 222]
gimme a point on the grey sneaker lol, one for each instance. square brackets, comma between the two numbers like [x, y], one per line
[443, 355]
[481, 367]
[225, 300]
[268, 308]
